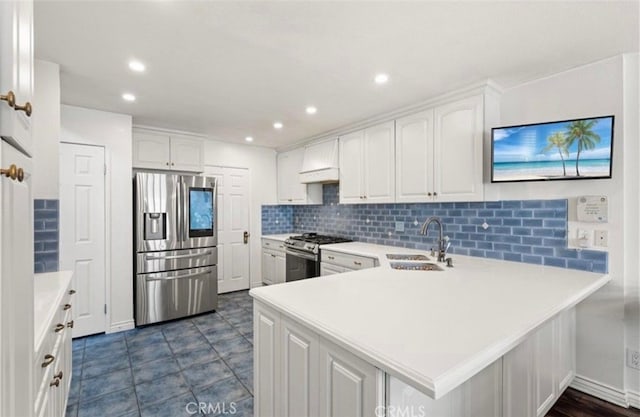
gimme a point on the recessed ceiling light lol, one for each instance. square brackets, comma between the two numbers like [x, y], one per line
[249, 139]
[136, 66]
[381, 78]
[128, 97]
[278, 125]
[311, 110]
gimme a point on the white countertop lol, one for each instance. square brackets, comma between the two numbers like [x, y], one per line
[433, 330]
[281, 237]
[48, 290]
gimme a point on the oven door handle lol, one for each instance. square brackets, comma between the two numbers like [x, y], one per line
[300, 254]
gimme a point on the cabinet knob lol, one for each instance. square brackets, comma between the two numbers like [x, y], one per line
[26, 108]
[435, 194]
[66, 307]
[429, 193]
[173, 163]
[71, 292]
[58, 375]
[59, 327]
[357, 263]
[55, 383]
[70, 324]
[167, 164]
[48, 360]
[331, 257]
[10, 98]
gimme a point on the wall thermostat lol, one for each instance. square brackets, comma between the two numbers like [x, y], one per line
[593, 208]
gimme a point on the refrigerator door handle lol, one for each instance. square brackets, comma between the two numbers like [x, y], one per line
[191, 255]
[193, 275]
[185, 211]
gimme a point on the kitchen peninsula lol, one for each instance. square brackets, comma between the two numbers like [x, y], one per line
[485, 337]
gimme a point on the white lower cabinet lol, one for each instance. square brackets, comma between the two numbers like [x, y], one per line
[538, 370]
[298, 373]
[334, 262]
[274, 266]
[53, 360]
[330, 269]
[348, 385]
[478, 397]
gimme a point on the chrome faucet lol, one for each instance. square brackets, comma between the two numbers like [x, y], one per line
[441, 240]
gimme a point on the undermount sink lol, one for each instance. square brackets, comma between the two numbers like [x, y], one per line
[415, 266]
[403, 257]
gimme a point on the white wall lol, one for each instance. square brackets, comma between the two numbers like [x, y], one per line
[632, 221]
[46, 129]
[591, 90]
[261, 163]
[113, 131]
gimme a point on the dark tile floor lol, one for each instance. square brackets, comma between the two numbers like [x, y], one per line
[164, 369]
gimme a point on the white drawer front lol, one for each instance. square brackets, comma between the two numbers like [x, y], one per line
[347, 261]
[272, 244]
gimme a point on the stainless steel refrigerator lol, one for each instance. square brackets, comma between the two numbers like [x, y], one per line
[176, 237]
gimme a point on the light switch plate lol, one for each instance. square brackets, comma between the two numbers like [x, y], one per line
[601, 238]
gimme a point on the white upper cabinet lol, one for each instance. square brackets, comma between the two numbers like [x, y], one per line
[187, 154]
[290, 189]
[367, 165]
[457, 150]
[414, 156]
[165, 151]
[351, 168]
[16, 73]
[439, 153]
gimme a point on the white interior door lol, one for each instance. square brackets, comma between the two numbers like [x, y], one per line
[82, 232]
[233, 222]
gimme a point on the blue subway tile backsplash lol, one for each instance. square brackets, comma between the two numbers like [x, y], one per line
[531, 231]
[46, 215]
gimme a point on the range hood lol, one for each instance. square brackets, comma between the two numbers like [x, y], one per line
[320, 163]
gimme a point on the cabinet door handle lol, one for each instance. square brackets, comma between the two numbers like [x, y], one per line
[357, 263]
[273, 256]
[70, 324]
[48, 360]
[59, 327]
[66, 307]
[331, 257]
[58, 375]
[55, 383]
[71, 292]
[10, 98]
[26, 108]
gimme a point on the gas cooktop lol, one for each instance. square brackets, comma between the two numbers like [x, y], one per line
[319, 239]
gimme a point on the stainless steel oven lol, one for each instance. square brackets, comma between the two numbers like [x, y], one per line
[301, 265]
[303, 255]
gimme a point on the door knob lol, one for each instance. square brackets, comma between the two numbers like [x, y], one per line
[10, 98]
[11, 172]
[245, 237]
[26, 108]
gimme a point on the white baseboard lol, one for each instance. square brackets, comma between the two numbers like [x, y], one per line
[600, 390]
[122, 326]
[633, 398]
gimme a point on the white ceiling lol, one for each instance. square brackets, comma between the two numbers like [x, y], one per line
[230, 69]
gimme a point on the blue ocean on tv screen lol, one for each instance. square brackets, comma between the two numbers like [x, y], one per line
[561, 150]
[200, 210]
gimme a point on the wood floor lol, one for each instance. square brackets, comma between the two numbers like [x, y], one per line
[577, 404]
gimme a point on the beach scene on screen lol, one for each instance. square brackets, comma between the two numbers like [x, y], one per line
[549, 151]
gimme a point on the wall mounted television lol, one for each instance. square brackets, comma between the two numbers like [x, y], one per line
[563, 150]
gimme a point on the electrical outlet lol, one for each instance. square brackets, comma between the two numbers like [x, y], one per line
[633, 359]
[601, 238]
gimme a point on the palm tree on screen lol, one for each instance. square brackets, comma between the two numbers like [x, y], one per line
[558, 141]
[581, 131]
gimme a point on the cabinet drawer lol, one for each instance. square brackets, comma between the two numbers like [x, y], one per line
[272, 244]
[348, 261]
